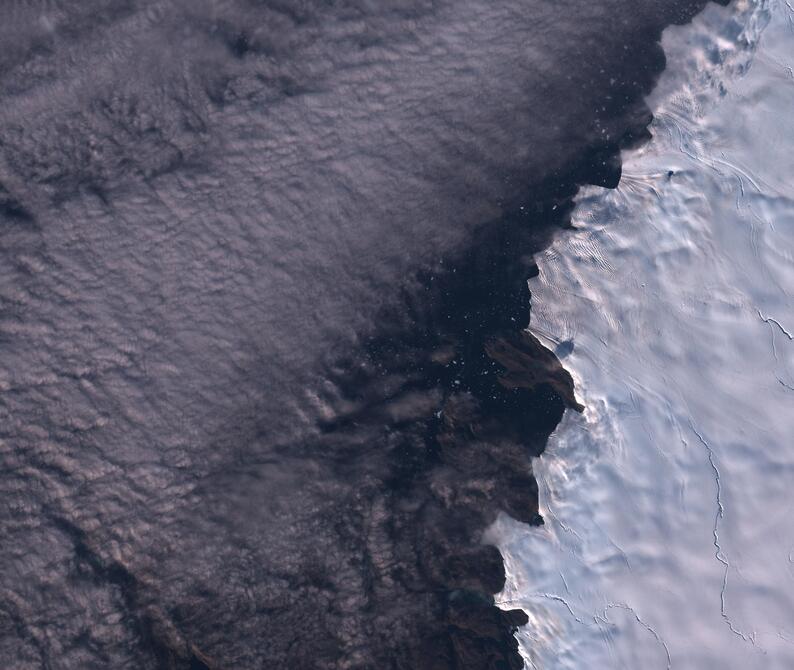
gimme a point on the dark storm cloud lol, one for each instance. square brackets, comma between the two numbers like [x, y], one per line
[263, 263]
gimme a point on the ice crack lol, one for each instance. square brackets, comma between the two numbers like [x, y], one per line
[642, 623]
[719, 554]
[788, 386]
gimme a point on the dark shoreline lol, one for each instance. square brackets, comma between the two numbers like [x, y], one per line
[485, 397]
[492, 395]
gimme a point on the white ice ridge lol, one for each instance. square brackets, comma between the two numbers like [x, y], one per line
[770, 320]
[668, 504]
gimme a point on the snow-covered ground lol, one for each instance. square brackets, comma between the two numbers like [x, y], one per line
[669, 506]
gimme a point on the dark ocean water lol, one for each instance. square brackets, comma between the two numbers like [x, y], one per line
[264, 381]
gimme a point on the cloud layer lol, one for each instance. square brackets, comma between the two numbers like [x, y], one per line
[255, 258]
